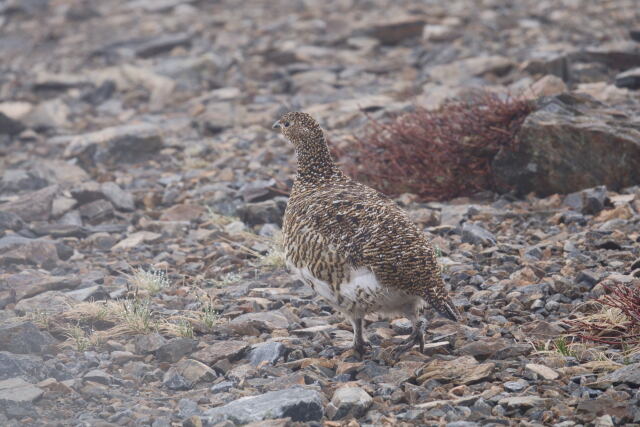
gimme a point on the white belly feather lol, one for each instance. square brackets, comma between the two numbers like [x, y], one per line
[362, 293]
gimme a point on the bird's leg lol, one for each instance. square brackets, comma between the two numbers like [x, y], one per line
[416, 337]
[359, 344]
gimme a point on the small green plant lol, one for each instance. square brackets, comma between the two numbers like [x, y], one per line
[77, 335]
[41, 318]
[563, 347]
[209, 316]
[138, 315]
[153, 281]
[185, 328]
[219, 219]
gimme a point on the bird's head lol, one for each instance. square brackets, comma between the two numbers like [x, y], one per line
[298, 127]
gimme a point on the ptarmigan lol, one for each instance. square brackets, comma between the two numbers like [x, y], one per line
[353, 245]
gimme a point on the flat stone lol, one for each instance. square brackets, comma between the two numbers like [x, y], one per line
[629, 374]
[46, 302]
[17, 396]
[35, 206]
[544, 371]
[477, 235]
[298, 403]
[118, 144]
[38, 252]
[28, 367]
[120, 198]
[266, 352]
[10, 221]
[184, 212]
[194, 372]
[231, 350]
[268, 320]
[136, 239]
[150, 343]
[349, 402]
[522, 402]
[463, 370]
[29, 283]
[24, 337]
[176, 348]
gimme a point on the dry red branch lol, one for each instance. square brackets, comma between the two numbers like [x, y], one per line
[437, 154]
[619, 334]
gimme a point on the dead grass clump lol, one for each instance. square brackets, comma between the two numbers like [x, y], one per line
[437, 154]
[614, 320]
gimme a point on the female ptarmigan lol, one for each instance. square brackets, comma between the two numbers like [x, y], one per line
[353, 245]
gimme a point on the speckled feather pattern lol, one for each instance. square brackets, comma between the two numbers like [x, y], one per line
[334, 225]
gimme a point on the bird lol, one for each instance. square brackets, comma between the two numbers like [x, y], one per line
[355, 246]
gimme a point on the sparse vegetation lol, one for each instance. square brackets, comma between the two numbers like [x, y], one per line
[151, 281]
[612, 320]
[137, 315]
[78, 337]
[437, 154]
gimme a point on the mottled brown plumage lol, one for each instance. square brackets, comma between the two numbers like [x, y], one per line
[354, 245]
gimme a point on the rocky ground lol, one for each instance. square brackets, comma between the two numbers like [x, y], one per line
[142, 191]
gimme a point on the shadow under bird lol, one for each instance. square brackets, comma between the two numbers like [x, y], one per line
[353, 245]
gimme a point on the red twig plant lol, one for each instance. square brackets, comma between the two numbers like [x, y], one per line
[437, 154]
[616, 322]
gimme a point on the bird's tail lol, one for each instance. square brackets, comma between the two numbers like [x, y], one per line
[438, 297]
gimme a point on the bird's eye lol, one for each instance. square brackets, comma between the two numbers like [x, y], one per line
[286, 124]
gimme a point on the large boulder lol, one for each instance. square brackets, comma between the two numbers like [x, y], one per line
[571, 142]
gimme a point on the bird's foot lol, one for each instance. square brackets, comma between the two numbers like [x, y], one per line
[409, 343]
[360, 349]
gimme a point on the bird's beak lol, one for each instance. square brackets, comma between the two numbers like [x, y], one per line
[276, 125]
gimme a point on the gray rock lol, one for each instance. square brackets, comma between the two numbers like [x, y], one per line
[221, 387]
[629, 374]
[28, 367]
[17, 397]
[39, 252]
[297, 403]
[267, 320]
[174, 381]
[9, 126]
[194, 371]
[516, 386]
[162, 44]
[97, 211]
[121, 199]
[589, 202]
[230, 349]
[98, 376]
[175, 349]
[17, 180]
[395, 32]
[29, 283]
[188, 408]
[119, 144]
[629, 79]
[35, 206]
[47, 302]
[146, 344]
[477, 235]
[565, 146]
[258, 191]
[10, 221]
[23, 337]
[349, 401]
[266, 352]
[91, 293]
[268, 211]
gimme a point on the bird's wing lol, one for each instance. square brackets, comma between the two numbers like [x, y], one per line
[363, 228]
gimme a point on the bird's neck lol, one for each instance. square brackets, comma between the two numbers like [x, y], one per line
[315, 164]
